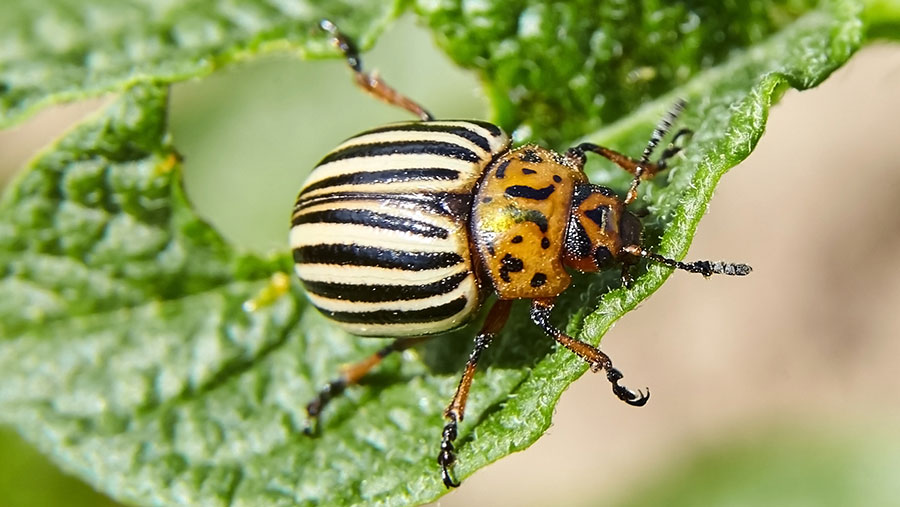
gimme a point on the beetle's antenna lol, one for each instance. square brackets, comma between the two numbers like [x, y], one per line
[371, 83]
[705, 268]
[662, 128]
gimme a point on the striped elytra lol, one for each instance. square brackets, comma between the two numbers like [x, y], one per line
[404, 230]
[379, 231]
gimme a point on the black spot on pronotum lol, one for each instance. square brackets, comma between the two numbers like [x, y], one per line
[510, 264]
[538, 279]
[526, 170]
[517, 239]
[487, 200]
[545, 243]
[526, 192]
[490, 249]
[557, 179]
[530, 156]
[501, 169]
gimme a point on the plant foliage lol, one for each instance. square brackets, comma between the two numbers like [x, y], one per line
[127, 352]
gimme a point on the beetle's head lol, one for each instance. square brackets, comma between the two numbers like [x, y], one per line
[598, 228]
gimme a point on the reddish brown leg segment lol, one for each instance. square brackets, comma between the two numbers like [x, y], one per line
[658, 133]
[351, 375]
[540, 315]
[624, 161]
[456, 410]
[642, 168]
[639, 168]
[371, 83]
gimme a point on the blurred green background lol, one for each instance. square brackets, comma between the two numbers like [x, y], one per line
[779, 389]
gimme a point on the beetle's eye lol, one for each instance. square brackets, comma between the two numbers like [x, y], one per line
[602, 256]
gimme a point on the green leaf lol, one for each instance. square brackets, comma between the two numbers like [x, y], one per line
[58, 50]
[557, 70]
[128, 354]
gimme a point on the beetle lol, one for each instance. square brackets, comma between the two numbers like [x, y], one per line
[404, 231]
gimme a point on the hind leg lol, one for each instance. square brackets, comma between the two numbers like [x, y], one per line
[371, 83]
[351, 375]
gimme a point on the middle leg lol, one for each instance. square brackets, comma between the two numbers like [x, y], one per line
[351, 375]
[456, 410]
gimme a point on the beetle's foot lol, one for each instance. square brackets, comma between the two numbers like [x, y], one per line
[446, 457]
[314, 408]
[673, 149]
[627, 276]
[635, 399]
[312, 427]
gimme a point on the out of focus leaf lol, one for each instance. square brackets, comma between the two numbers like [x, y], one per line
[57, 50]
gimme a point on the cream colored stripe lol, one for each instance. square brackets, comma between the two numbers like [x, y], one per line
[358, 234]
[466, 288]
[373, 274]
[497, 143]
[413, 137]
[388, 208]
[467, 170]
[396, 188]
[414, 328]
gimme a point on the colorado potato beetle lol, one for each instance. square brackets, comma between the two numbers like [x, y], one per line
[405, 230]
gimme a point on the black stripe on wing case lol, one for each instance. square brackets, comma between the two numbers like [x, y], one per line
[373, 219]
[403, 148]
[456, 130]
[430, 314]
[443, 203]
[356, 255]
[490, 127]
[383, 293]
[386, 176]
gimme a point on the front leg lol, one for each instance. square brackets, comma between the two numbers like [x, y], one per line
[456, 410]
[540, 315]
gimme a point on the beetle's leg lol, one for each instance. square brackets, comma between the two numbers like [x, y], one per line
[705, 268]
[540, 315]
[371, 83]
[456, 410]
[627, 276]
[674, 148]
[351, 375]
[620, 159]
[662, 128]
[642, 168]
